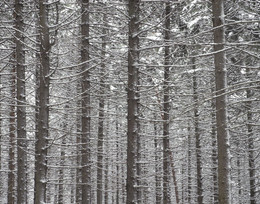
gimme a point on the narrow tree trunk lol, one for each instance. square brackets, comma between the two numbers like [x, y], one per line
[250, 142]
[62, 158]
[158, 195]
[11, 160]
[132, 121]
[214, 152]
[197, 134]
[101, 118]
[189, 166]
[86, 168]
[221, 102]
[166, 109]
[21, 110]
[42, 119]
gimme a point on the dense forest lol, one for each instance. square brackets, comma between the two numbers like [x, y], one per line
[130, 101]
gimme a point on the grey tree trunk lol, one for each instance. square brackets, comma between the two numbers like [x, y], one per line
[214, 152]
[101, 118]
[12, 129]
[21, 110]
[42, 119]
[197, 134]
[221, 102]
[85, 120]
[250, 142]
[132, 122]
[158, 189]
[166, 109]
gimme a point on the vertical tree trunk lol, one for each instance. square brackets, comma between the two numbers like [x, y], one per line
[250, 142]
[11, 160]
[132, 120]
[85, 120]
[42, 119]
[158, 195]
[101, 118]
[221, 102]
[214, 151]
[189, 166]
[21, 110]
[197, 134]
[62, 157]
[166, 109]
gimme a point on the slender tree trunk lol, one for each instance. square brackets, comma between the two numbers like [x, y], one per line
[1, 123]
[197, 134]
[101, 119]
[158, 195]
[214, 151]
[132, 120]
[42, 119]
[11, 160]
[86, 167]
[62, 158]
[221, 102]
[21, 110]
[250, 142]
[166, 109]
[189, 166]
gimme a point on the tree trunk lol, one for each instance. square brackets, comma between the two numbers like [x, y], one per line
[250, 142]
[158, 195]
[214, 152]
[132, 120]
[85, 120]
[42, 119]
[221, 102]
[11, 160]
[197, 134]
[166, 109]
[101, 118]
[21, 110]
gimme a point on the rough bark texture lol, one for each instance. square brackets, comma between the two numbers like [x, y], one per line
[11, 160]
[221, 102]
[166, 109]
[214, 152]
[132, 127]
[85, 87]
[42, 119]
[250, 142]
[21, 110]
[197, 134]
[101, 119]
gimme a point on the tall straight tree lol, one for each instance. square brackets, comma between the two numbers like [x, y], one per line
[166, 108]
[11, 160]
[85, 104]
[42, 119]
[197, 133]
[221, 102]
[101, 116]
[21, 110]
[132, 100]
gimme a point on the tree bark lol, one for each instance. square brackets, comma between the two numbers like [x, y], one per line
[214, 152]
[166, 109]
[85, 120]
[132, 120]
[101, 118]
[42, 119]
[197, 134]
[221, 102]
[21, 110]
[250, 142]
[12, 129]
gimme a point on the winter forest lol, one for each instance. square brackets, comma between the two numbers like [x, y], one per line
[130, 101]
